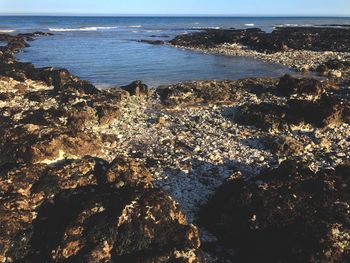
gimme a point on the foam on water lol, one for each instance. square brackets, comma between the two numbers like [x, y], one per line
[7, 30]
[82, 29]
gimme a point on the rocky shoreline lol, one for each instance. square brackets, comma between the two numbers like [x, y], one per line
[259, 167]
[301, 48]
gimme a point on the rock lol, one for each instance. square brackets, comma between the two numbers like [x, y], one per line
[328, 111]
[285, 146]
[334, 74]
[137, 88]
[71, 208]
[322, 69]
[292, 212]
[306, 86]
[281, 39]
[128, 172]
[46, 145]
[153, 42]
[161, 120]
[200, 92]
[264, 115]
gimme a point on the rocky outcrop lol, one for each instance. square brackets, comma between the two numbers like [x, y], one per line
[289, 214]
[137, 88]
[281, 39]
[326, 109]
[209, 92]
[91, 211]
[284, 146]
[303, 87]
[60, 200]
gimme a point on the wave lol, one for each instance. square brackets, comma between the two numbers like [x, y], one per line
[287, 25]
[7, 30]
[95, 28]
[249, 24]
[136, 26]
[207, 27]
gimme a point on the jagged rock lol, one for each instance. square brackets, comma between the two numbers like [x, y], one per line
[281, 39]
[70, 211]
[290, 214]
[335, 74]
[265, 116]
[152, 42]
[198, 92]
[327, 111]
[31, 184]
[125, 171]
[35, 144]
[284, 146]
[98, 224]
[137, 88]
[306, 86]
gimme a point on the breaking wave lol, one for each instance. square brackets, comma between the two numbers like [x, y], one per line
[7, 30]
[95, 28]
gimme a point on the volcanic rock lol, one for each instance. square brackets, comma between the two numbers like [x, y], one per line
[306, 86]
[289, 214]
[137, 88]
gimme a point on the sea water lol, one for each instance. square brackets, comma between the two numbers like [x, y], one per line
[106, 51]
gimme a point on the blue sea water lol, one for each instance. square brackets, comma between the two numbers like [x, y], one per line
[105, 51]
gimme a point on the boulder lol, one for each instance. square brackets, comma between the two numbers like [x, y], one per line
[137, 88]
[289, 85]
[289, 214]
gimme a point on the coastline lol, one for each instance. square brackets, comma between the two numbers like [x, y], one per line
[288, 46]
[80, 148]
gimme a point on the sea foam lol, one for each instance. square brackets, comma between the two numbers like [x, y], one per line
[136, 26]
[7, 30]
[249, 24]
[95, 28]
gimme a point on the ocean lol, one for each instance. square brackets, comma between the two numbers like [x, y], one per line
[105, 50]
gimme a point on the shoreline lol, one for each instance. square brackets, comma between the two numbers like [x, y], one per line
[72, 148]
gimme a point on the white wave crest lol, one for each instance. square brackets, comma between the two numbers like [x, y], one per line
[94, 28]
[7, 30]
[210, 27]
[136, 26]
[287, 25]
[249, 24]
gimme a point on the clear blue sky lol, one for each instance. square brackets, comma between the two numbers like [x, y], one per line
[179, 7]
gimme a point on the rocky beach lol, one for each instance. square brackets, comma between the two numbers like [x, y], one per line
[249, 170]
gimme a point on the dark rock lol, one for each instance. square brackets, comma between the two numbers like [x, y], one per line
[285, 146]
[290, 214]
[137, 88]
[281, 39]
[95, 224]
[153, 42]
[328, 111]
[199, 92]
[306, 86]
[266, 116]
[128, 172]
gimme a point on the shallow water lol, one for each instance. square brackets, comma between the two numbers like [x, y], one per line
[104, 50]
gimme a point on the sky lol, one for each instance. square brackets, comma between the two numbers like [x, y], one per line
[179, 7]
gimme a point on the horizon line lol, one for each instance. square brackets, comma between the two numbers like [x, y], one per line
[171, 15]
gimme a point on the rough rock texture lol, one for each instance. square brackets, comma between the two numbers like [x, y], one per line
[289, 214]
[137, 88]
[212, 92]
[284, 146]
[329, 109]
[82, 218]
[60, 201]
[293, 86]
[281, 39]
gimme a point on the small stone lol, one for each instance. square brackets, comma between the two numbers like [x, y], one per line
[335, 74]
